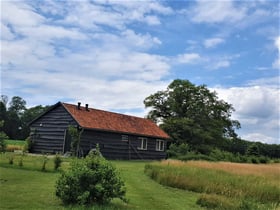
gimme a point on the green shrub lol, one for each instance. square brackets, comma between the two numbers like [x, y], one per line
[57, 161]
[263, 159]
[178, 150]
[90, 180]
[254, 159]
[194, 156]
[44, 163]
[28, 145]
[11, 159]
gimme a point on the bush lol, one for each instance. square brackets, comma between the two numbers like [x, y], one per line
[178, 150]
[28, 145]
[194, 156]
[90, 180]
[57, 161]
[44, 162]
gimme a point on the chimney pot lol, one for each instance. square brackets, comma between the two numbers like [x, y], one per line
[87, 109]
[79, 105]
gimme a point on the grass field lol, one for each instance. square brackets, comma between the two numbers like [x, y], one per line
[13, 145]
[27, 187]
[219, 185]
[233, 185]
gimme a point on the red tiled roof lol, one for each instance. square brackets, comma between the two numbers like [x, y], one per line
[109, 121]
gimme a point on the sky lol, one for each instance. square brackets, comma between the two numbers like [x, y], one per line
[114, 54]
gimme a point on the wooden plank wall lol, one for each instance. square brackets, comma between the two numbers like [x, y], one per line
[50, 131]
[50, 135]
[112, 146]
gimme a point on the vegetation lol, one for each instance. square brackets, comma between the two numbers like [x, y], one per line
[91, 180]
[16, 116]
[228, 184]
[184, 152]
[3, 136]
[192, 114]
[35, 189]
[75, 135]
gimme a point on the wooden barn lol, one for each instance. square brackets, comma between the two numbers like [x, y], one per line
[119, 136]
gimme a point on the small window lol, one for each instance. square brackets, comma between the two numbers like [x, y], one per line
[143, 143]
[124, 137]
[160, 145]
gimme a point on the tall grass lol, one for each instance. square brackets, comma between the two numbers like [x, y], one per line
[13, 145]
[213, 180]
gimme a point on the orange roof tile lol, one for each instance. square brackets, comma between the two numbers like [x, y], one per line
[109, 121]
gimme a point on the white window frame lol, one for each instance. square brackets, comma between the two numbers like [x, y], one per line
[159, 145]
[125, 138]
[143, 143]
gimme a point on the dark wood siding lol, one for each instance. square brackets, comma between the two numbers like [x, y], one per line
[112, 146]
[49, 136]
[48, 132]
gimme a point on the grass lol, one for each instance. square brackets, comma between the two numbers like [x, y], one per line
[27, 187]
[13, 145]
[223, 182]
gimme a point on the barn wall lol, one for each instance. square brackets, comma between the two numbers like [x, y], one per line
[112, 146]
[48, 132]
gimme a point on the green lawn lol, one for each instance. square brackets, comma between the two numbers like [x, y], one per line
[28, 189]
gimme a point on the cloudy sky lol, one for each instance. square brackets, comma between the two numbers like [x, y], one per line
[113, 54]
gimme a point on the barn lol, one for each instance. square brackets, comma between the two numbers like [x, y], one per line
[119, 136]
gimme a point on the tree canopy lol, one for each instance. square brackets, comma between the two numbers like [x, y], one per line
[16, 116]
[192, 114]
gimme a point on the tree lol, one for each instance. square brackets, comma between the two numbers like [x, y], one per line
[192, 114]
[17, 105]
[3, 137]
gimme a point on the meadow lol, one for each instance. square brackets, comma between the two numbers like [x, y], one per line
[222, 185]
[27, 187]
[168, 184]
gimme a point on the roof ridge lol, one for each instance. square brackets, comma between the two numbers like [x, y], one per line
[117, 113]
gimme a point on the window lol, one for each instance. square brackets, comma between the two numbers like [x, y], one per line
[143, 143]
[124, 137]
[160, 145]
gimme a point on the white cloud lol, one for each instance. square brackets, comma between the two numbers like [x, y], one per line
[188, 58]
[259, 137]
[20, 14]
[213, 42]
[257, 109]
[276, 63]
[216, 12]
[220, 64]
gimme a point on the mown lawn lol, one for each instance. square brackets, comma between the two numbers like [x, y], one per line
[25, 188]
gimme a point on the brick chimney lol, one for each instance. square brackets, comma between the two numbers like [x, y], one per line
[79, 106]
[87, 109]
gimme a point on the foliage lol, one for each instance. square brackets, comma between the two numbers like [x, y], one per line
[260, 189]
[16, 116]
[57, 161]
[44, 162]
[92, 180]
[28, 145]
[175, 151]
[75, 135]
[192, 114]
[253, 150]
[3, 137]
[142, 192]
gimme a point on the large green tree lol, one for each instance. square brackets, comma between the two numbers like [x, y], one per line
[192, 114]
[16, 116]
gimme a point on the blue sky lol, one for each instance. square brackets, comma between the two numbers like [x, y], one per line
[113, 54]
